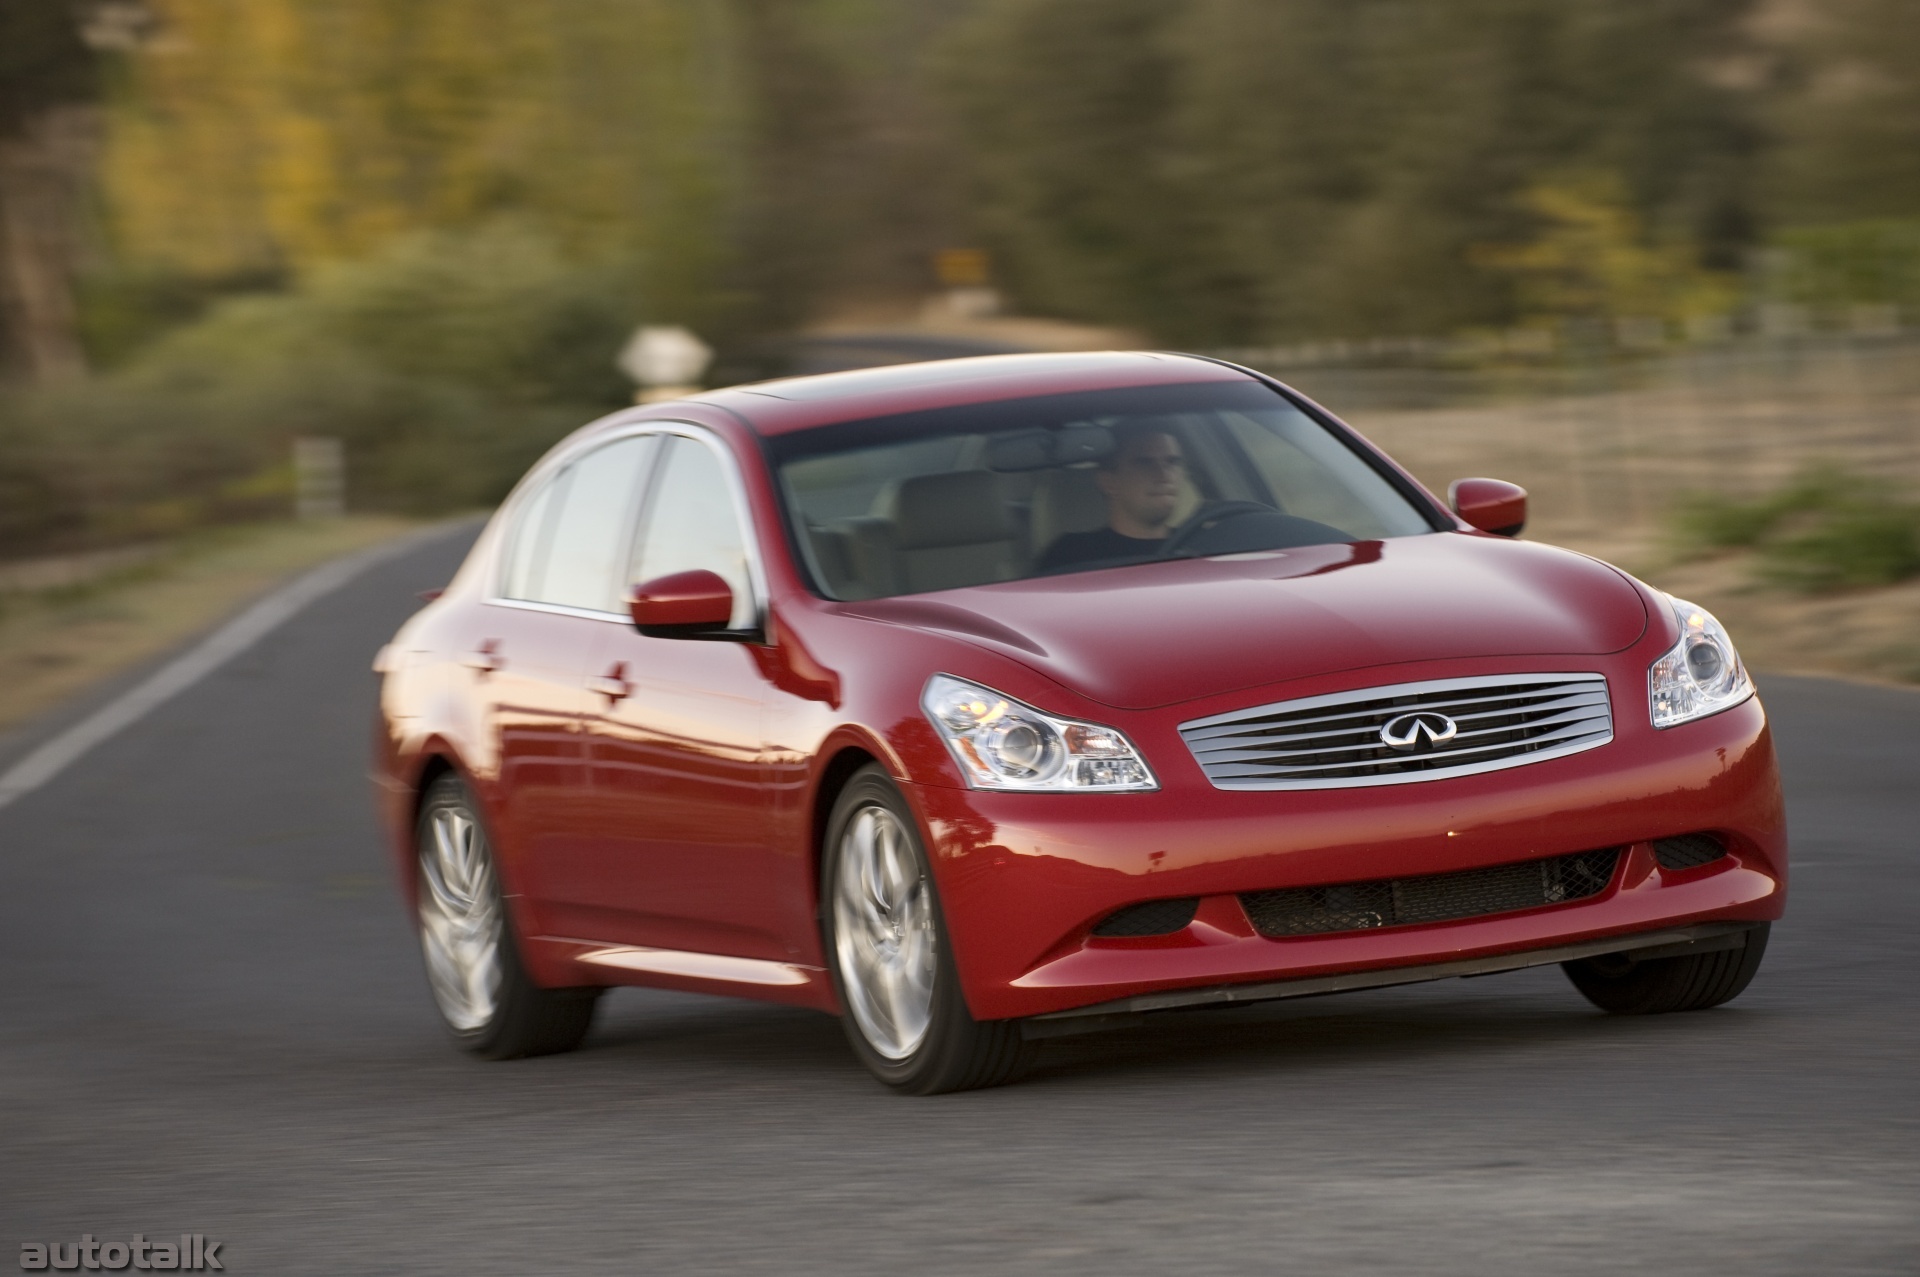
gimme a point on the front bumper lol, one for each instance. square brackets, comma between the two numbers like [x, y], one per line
[1024, 878]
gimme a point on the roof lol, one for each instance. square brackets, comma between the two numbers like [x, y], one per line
[800, 403]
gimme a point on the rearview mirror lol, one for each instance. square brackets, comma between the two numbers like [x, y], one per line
[696, 604]
[1490, 505]
[1072, 444]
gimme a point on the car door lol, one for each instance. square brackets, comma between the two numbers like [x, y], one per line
[554, 596]
[684, 855]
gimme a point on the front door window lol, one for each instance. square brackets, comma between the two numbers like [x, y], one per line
[684, 857]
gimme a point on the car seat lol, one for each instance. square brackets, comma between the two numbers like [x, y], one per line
[1064, 500]
[935, 532]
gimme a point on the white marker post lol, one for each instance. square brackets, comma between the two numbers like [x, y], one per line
[666, 362]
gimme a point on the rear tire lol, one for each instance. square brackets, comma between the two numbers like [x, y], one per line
[489, 1004]
[891, 958]
[1618, 985]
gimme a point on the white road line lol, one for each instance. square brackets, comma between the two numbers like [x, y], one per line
[219, 647]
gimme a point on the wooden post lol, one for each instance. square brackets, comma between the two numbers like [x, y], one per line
[319, 478]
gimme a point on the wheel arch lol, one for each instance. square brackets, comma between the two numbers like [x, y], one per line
[435, 759]
[432, 768]
[839, 769]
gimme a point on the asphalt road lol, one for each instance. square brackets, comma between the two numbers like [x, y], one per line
[212, 1020]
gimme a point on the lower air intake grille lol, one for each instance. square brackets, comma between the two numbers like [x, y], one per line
[1399, 902]
[1688, 851]
[1154, 918]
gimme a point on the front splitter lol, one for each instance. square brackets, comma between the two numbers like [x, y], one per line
[1669, 942]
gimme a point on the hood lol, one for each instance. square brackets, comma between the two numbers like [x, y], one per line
[1162, 633]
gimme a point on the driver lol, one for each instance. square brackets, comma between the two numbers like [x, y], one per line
[1141, 478]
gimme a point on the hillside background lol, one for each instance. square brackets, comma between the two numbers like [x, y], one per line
[424, 227]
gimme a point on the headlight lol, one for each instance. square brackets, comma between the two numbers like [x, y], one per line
[1702, 675]
[1002, 744]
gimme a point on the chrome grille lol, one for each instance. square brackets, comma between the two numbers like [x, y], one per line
[1337, 742]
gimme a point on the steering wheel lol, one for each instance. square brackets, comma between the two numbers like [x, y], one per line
[1210, 515]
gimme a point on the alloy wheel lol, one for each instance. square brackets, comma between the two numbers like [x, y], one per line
[460, 919]
[883, 933]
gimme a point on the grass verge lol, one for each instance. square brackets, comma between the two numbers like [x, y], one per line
[1821, 576]
[56, 642]
[1827, 530]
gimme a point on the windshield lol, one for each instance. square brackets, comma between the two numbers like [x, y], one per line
[1074, 483]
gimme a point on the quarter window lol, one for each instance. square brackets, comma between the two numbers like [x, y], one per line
[532, 535]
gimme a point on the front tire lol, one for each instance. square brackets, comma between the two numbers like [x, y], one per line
[891, 958]
[481, 988]
[1618, 985]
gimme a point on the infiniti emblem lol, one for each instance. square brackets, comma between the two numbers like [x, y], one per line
[1418, 732]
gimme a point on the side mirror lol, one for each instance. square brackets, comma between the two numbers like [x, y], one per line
[696, 604]
[1490, 505]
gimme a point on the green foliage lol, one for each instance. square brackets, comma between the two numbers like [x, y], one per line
[1591, 259]
[125, 307]
[460, 200]
[1246, 169]
[1707, 522]
[1826, 530]
[850, 176]
[446, 364]
[1861, 543]
[285, 135]
[1845, 115]
[1875, 260]
[1210, 171]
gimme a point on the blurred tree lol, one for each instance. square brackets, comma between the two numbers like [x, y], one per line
[1866, 262]
[447, 362]
[1208, 170]
[757, 161]
[1592, 259]
[457, 208]
[1848, 117]
[275, 135]
[1066, 108]
[851, 180]
[49, 81]
[1232, 169]
[1845, 181]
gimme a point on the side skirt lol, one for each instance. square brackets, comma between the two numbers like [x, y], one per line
[564, 961]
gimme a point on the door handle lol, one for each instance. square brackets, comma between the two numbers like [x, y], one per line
[484, 658]
[612, 685]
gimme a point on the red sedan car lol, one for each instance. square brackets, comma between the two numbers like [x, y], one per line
[991, 699]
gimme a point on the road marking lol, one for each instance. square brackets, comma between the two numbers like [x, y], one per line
[219, 647]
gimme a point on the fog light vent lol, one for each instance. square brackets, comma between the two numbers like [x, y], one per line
[1400, 902]
[1154, 918]
[1688, 851]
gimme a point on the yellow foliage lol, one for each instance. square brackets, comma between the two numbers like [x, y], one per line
[277, 134]
[1593, 258]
